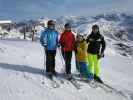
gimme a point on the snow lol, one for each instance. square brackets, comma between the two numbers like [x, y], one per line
[5, 21]
[21, 68]
[22, 63]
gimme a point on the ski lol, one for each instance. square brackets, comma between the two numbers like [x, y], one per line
[113, 90]
[90, 83]
[59, 78]
[102, 86]
[52, 81]
[74, 83]
[94, 84]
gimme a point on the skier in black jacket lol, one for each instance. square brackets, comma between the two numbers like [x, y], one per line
[96, 47]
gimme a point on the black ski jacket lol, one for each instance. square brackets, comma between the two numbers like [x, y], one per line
[96, 43]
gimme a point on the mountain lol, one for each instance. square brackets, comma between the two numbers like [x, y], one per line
[22, 61]
[116, 27]
[111, 23]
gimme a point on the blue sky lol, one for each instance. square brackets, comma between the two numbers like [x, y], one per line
[33, 9]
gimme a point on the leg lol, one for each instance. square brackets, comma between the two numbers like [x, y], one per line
[85, 73]
[90, 75]
[83, 69]
[63, 54]
[97, 67]
[50, 61]
[77, 66]
[47, 62]
[90, 63]
[53, 62]
[97, 70]
[68, 56]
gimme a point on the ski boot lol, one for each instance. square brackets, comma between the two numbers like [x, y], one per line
[49, 75]
[98, 79]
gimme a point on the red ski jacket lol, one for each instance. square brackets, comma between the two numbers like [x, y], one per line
[67, 41]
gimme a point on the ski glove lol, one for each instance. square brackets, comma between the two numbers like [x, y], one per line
[99, 56]
[59, 45]
[45, 47]
[62, 45]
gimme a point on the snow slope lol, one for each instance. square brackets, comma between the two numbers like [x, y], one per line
[21, 65]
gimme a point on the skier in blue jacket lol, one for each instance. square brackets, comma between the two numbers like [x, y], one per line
[49, 40]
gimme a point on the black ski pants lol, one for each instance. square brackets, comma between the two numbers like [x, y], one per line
[67, 57]
[50, 61]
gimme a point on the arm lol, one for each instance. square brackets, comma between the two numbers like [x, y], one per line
[61, 41]
[57, 39]
[43, 39]
[103, 45]
[79, 50]
[74, 43]
[88, 39]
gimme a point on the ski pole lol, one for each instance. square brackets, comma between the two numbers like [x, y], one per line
[44, 65]
[62, 59]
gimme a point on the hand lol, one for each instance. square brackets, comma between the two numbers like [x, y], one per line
[62, 45]
[75, 49]
[99, 56]
[58, 45]
[45, 47]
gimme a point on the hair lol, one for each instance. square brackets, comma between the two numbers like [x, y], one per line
[67, 25]
[95, 27]
[50, 22]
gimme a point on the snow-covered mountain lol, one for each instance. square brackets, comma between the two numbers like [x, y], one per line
[117, 29]
[21, 62]
[117, 26]
[109, 23]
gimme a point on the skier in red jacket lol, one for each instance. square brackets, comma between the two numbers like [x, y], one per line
[67, 42]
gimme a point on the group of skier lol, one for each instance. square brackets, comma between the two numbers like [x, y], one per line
[88, 51]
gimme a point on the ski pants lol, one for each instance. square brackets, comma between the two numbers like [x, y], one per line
[67, 57]
[94, 64]
[50, 61]
[84, 70]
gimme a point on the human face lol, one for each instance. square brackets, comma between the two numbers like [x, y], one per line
[95, 30]
[79, 38]
[68, 28]
[51, 26]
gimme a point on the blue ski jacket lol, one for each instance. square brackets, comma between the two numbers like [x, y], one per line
[49, 39]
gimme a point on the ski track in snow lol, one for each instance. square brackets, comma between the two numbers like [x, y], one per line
[21, 65]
